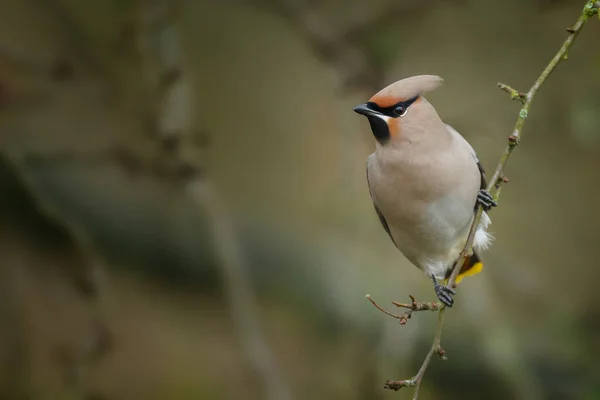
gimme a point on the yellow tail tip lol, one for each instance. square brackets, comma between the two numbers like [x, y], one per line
[474, 270]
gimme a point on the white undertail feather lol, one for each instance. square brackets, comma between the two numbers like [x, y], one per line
[483, 239]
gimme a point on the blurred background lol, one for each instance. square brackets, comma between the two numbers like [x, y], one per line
[184, 210]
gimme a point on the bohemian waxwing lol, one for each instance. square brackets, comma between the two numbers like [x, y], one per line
[425, 181]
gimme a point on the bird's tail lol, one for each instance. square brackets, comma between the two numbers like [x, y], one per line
[472, 266]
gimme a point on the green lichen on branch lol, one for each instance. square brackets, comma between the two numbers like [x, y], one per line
[591, 8]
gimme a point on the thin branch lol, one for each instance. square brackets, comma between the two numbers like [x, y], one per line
[514, 93]
[435, 349]
[381, 308]
[590, 9]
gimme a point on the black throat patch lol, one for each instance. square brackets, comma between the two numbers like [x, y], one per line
[380, 129]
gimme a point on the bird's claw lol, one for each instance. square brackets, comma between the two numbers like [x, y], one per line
[486, 200]
[444, 293]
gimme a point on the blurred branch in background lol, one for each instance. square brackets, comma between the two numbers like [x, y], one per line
[88, 278]
[78, 43]
[167, 106]
[170, 91]
[348, 49]
[104, 146]
[589, 10]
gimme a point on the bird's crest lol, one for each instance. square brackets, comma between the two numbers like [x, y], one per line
[406, 89]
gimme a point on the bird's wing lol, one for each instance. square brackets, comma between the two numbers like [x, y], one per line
[378, 211]
[482, 172]
[483, 184]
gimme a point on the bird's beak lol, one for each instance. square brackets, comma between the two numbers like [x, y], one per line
[362, 109]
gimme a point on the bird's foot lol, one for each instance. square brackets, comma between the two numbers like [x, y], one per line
[444, 293]
[486, 200]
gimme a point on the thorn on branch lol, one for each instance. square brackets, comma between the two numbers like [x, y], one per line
[514, 93]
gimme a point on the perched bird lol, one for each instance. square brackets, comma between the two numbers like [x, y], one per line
[425, 181]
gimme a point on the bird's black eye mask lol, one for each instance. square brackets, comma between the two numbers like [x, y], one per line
[380, 128]
[397, 110]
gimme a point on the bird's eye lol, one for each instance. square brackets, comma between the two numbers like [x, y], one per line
[400, 111]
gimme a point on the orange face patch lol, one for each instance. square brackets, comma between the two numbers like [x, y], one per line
[384, 101]
[385, 104]
[394, 127]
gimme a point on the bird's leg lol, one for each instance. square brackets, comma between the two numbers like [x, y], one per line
[444, 293]
[486, 200]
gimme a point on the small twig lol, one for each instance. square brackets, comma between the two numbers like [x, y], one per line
[397, 385]
[514, 93]
[590, 9]
[381, 308]
[420, 306]
[412, 307]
